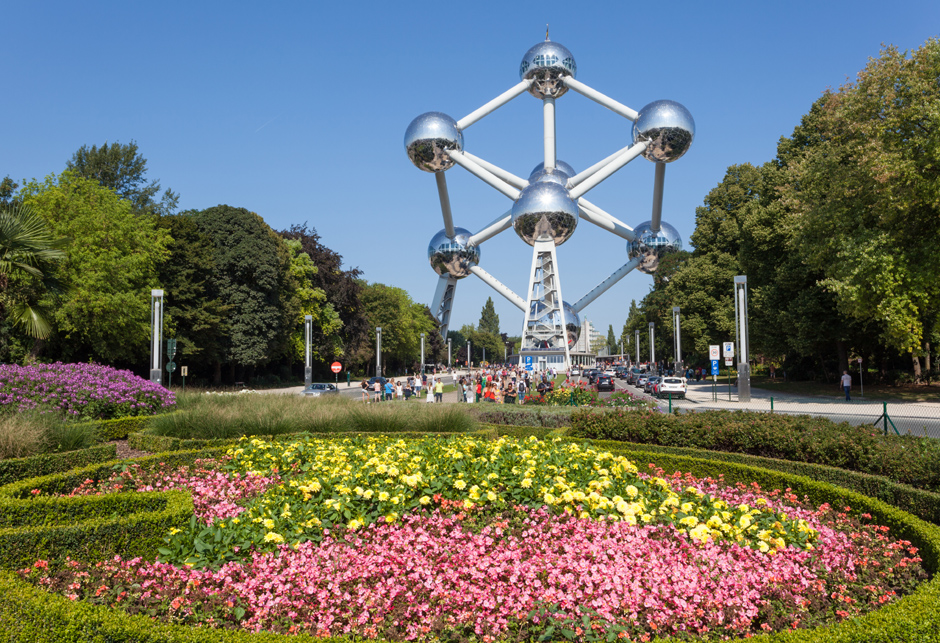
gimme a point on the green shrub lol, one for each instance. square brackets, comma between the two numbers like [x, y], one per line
[39, 465]
[907, 459]
[510, 414]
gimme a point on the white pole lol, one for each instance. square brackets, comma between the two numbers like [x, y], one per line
[499, 287]
[548, 111]
[678, 340]
[422, 353]
[602, 287]
[450, 362]
[637, 346]
[601, 99]
[483, 174]
[508, 177]
[653, 346]
[156, 335]
[378, 351]
[504, 222]
[591, 182]
[593, 214]
[494, 104]
[445, 204]
[580, 176]
[308, 361]
[658, 182]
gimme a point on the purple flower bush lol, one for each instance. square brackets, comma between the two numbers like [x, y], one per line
[85, 391]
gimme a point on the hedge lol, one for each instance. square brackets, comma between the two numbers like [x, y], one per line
[907, 459]
[29, 615]
[14, 469]
[119, 428]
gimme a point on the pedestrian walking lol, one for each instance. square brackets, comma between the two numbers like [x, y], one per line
[365, 391]
[439, 390]
[846, 383]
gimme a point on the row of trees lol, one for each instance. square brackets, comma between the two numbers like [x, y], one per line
[80, 251]
[837, 235]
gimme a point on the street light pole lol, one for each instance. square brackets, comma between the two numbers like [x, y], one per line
[308, 362]
[468, 355]
[450, 364]
[422, 353]
[653, 346]
[378, 351]
[156, 334]
[740, 314]
[637, 340]
[678, 338]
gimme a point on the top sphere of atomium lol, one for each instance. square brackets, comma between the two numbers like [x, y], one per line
[669, 128]
[429, 137]
[547, 63]
[453, 256]
[544, 211]
[651, 246]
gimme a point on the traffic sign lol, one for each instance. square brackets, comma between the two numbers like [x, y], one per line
[715, 366]
[184, 371]
[170, 348]
[336, 367]
[171, 366]
[729, 350]
[859, 360]
[714, 351]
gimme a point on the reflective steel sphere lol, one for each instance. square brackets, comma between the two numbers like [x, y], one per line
[572, 324]
[428, 138]
[559, 165]
[652, 246]
[453, 256]
[669, 128]
[552, 176]
[547, 62]
[544, 212]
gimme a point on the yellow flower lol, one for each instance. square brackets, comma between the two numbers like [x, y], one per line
[491, 496]
[273, 537]
[268, 523]
[383, 496]
[424, 500]
[459, 484]
[526, 483]
[632, 491]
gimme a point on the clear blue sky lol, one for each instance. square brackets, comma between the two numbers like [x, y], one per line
[297, 110]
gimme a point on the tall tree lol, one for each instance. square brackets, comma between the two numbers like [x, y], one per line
[122, 168]
[613, 347]
[253, 280]
[312, 301]
[402, 321]
[489, 320]
[111, 266]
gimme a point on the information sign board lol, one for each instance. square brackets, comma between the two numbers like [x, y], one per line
[714, 351]
[714, 367]
[728, 350]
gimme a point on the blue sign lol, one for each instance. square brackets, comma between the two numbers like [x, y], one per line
[714, 367]
[528, 362]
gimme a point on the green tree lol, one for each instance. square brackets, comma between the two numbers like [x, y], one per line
[312, 301]
[253, 281]
[489, 320]
[122, 168]
[402, 321]
[29, 254]
[613, 346]
[111, 266]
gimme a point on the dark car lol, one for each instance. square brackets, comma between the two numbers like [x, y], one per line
[318, 390]
[381, 380]
[604, 382]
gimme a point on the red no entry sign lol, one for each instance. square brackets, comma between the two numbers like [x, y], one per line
[336, 367]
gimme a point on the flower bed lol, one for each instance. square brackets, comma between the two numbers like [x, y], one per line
[86, 391]
[501, 539]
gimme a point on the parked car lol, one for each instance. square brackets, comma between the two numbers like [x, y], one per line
[675, 386]
[575, 373]
[318, 390]
[650, 382]
[604, 382]
[381, 380]
[640, 380]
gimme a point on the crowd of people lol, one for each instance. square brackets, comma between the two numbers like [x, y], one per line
[502, 385]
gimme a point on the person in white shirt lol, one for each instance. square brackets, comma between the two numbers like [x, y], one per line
[847, 385]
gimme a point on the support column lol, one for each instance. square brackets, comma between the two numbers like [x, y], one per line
[443, 301]
[543, 330]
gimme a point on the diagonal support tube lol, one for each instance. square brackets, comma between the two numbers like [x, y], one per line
[504, 222]
[602, 287]
[593, 214]
[508, 177]
[601, 99]
[591, 182]
[499, 287]
[445, 204]
[659, 181]
[494, 104]
[483, 174]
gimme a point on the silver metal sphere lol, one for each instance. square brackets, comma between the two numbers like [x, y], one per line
[544, 211]
[552, 176]
[669, 128]
[651, 246]
[428, 138]
[452, 256]
[572, 324]
[559, 165]
[548, 62]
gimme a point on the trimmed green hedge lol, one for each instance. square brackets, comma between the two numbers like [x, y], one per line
[906, 459]
[34, 466]
[29, 615]
[545, 416]
[119, 428]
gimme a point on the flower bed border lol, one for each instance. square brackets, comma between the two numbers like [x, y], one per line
[13, 469]
[27, 614]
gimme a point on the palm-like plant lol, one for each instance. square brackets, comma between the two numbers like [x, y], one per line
[28, 254]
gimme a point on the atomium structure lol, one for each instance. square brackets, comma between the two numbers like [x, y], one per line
[547, 206]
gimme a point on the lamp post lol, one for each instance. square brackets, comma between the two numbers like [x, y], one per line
[740, 327]
[468, 355]
[422, 353]
[378, 351]
[637, 340]
[156, 334]
[308, 361]
[653, 346]
[450, 363]
[677, 337]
